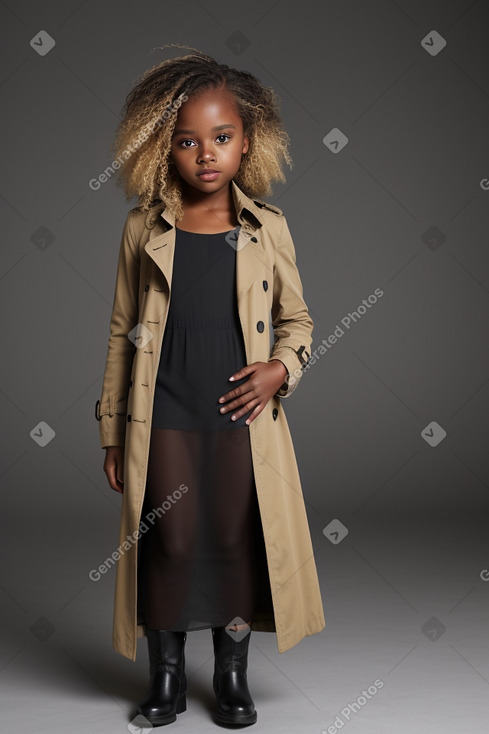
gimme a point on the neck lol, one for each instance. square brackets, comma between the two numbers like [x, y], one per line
[194, 199]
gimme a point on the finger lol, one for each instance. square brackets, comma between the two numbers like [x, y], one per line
[238, 402]
[243, 371]
[244, 392]
[118, 486]
[112, 479]
[232, 395]
[245, 409]
[120, 482]
[119, 471]
[254, 414]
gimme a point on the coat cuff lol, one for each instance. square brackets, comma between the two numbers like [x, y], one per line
[294, 366]
[111, 414]
[111, 439]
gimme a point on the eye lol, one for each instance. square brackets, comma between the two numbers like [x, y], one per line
[181, 143]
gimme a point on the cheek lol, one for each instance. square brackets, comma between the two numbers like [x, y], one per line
[179, 158]
[235, 150]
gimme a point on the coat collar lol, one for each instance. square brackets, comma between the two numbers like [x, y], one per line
[249, 249]
[247, 211]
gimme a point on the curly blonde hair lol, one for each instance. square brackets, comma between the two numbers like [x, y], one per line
[143, 138]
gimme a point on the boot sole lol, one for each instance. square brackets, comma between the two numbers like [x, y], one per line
[169, 718]
[243, 720]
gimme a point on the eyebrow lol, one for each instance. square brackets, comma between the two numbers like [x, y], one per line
[192, 132]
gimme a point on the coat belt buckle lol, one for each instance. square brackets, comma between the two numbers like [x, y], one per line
[97, 411]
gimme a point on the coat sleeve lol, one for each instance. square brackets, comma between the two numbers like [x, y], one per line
[292, 324]
[111, 409]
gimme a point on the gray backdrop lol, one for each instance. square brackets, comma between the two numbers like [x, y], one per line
[387, 106]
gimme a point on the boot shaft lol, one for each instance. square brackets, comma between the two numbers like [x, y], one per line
[230, 653]
[166, 649]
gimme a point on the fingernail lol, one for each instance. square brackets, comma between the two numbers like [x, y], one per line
[231, 378]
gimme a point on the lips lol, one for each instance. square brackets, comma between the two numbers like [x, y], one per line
[205, 171]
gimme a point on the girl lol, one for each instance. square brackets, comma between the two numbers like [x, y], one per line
[214, 531]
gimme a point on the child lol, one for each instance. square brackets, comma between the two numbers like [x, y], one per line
[190, 415]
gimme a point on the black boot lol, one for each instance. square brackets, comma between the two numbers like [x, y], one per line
[234, 702]
[166, 696]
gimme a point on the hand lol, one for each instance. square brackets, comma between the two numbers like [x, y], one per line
[264, 381]
[114, 467]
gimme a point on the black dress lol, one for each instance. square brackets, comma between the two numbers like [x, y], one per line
[202, 556]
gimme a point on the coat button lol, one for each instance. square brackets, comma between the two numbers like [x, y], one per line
[260, 326]
[275, 413]
[128, 418]
[253, 239]
[146, 288]
[265, 285]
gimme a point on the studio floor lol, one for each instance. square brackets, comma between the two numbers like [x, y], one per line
[405, 648]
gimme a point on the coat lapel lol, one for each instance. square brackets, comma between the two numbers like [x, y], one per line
[249, 253]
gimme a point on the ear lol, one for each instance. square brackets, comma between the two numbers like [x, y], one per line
[246, 144]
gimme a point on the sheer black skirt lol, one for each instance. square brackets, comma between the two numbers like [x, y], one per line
[202, 555]
[201, 560]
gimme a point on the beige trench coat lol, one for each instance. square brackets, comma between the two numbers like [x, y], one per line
[268, 283]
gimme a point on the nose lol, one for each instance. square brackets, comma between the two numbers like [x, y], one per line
[206, 154]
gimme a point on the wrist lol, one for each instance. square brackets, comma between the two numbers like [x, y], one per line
[285, 372]
[279, 361]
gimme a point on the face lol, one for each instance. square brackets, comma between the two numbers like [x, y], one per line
[208, 135]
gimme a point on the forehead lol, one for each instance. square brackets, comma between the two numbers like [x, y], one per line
[209, 105]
